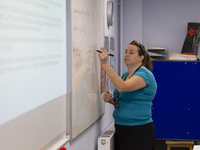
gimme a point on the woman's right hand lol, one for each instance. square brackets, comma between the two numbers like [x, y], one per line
[103, 56]
[107, 97]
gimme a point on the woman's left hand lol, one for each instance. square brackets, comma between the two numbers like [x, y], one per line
[103, 56]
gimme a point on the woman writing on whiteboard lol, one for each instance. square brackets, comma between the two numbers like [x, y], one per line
[133, 94]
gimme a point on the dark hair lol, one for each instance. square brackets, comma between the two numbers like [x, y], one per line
[142, 51]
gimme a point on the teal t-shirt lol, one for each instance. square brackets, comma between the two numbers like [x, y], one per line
[134, 108]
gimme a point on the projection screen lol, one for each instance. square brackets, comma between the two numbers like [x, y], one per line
[33, 63]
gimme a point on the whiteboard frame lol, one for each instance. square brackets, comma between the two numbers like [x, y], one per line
[69, 72]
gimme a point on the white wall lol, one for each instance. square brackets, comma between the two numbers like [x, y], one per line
[159, 22]
[88, 139]
[132, 24]
[165, 22]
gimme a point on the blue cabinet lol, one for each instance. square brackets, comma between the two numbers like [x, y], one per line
[176, 107]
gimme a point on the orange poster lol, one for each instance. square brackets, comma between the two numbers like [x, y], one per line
[102, 80]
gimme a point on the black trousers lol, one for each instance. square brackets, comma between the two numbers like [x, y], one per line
[140, 137]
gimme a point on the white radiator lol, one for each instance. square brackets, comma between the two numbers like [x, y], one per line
[106, 140]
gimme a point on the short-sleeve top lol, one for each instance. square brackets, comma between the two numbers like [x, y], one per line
[134, 108]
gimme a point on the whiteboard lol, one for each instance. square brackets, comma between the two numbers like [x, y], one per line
[87, 36]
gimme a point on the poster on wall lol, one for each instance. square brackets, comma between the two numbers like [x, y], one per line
[102, 80]
[106, 43]
[106, 47]
[112, 61]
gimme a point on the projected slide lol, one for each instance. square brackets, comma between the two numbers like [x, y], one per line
[32, 55]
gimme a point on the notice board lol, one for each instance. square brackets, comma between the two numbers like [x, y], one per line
[176, 107]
